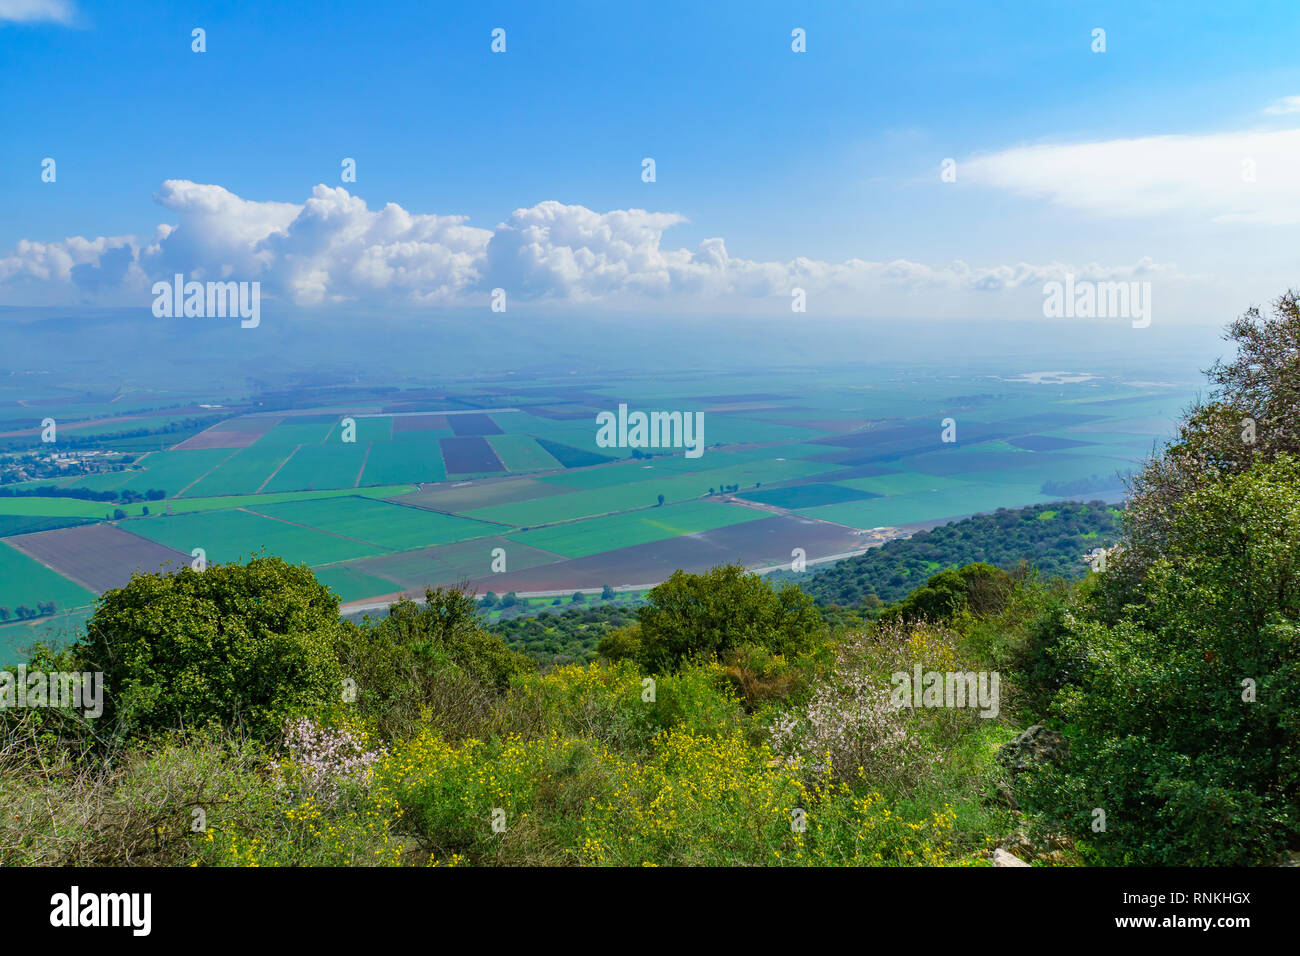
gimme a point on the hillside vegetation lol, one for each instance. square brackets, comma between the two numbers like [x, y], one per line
[731, 722]
[1053, 537]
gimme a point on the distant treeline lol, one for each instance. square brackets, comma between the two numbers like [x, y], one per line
[1053, 538]
[107, 438]
[23, 613]
[126, 496]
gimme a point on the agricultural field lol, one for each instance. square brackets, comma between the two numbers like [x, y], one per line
[425, 486]
[385, 525]
[97, 556]
[581, 538]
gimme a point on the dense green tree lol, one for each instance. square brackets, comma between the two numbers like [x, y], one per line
[979, 588]
[1181, 712]
[694, 615]
[243, 645]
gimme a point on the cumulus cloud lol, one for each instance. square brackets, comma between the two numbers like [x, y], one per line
[331, 248]
[37, 11]
[1244, 177]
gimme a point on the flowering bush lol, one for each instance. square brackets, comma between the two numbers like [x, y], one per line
[321, 758]
[850, 726]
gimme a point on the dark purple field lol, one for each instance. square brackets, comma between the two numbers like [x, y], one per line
[469, 455]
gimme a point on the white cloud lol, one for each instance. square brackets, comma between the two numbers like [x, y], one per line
[1287, 104]
[1231, 177]
[37, 11]
[332, 248]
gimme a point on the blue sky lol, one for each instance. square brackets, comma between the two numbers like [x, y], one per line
[830, 155]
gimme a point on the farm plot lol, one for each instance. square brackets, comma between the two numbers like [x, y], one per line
[404, 460]
[768, 541]
[571, 457]
[64, 507]
[643, 494]
[242, 473]
[469, 495]
[300, 431]
[28, 524]
[972, 498]
[231, 433]
[473, 425]
[353, 585]
[233, 535]
[806, 496]
[471, 455]
[381, 523]
[450, 564]
[318, 467]
[187, 505]
[901, 483]
[169, 471]
[581, 538]
[522, 453]
[98, 556]
[25, 581]
[420, 423]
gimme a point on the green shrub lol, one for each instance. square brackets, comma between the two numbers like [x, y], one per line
[245, 645]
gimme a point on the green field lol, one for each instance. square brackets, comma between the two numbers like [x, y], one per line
[353, 585]
[385, 525]
[331, 465]
[581, 538]
[170, 471]
[234, 535]
[405, 459]
[24, 580]
[521, 453]
[950, 502]
[805, 496]
[242, 473]
[644, 494]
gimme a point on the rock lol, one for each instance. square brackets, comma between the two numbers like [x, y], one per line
[1035, 745]
[1002, 858]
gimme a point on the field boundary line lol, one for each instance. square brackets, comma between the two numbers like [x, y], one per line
[332, 534]
[233, 452]
[277, 470]
[47, 566]
[362, 470]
